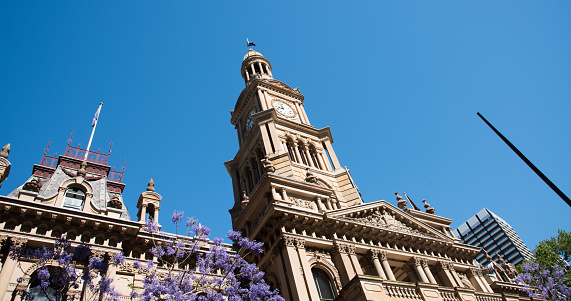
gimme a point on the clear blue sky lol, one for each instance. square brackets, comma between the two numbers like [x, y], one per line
[398, 82]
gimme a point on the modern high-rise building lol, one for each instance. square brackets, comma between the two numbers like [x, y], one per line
[493, 234]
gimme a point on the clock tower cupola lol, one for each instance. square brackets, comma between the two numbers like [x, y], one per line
[255, 66]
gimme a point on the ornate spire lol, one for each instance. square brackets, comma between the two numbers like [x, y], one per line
[5, 151]
[428, 208]
[151, 186]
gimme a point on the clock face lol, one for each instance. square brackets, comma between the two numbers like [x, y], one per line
[283, 109]
[250, 121]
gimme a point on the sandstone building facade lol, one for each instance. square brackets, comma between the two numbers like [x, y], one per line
[321, 241]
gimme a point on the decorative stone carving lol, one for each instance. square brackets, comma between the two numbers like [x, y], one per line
[400, 202]
[268, 166]
[115, 203]
[151, 185]
[289, 241]
[429, 209]
[340, 248]
[351, 249]
[300, 243]
[245, 200]
[310, 177]
[385, 219]
[5, 151]
[33, 185]
[301, 203]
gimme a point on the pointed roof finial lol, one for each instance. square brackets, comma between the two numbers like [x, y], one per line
[47, 148]
[401, 202]
[5, 151]
[151, 186]
[82, 171]
[69, 140]
[428, 208]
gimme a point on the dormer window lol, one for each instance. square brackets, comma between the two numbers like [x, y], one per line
[74, 198]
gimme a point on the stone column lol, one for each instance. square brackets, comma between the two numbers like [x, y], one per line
[9, 263]
[156, 214]
[307, 274]
[332, 155]
[297, 154]
[112, 269]
[308, 155]
[409, 270]
[284, 194]
[266, 139]
[318, 154]
[386, 266]
[60, 195]
[427, 271]
[143, 213]
[275, 194]
[343, 262]
[416, 262]
[443, 270]
[474, 277]
[87, 201]
[377, 263]
[297, 281]
[455, 275]
[354, 260]
[320, 204]
[274, 136]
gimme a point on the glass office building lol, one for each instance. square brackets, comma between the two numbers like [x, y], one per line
[493, 234]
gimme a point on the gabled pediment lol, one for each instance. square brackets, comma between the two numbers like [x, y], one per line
[385, 216]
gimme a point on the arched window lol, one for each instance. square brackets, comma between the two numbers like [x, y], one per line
[323, 283]
[37, 293]
[74, 198]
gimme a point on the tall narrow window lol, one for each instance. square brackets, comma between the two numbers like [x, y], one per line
[323, 283]
[74, 198]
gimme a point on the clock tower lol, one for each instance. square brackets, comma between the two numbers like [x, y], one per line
[282, 157]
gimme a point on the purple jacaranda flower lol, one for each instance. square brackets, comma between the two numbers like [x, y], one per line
[177, 216]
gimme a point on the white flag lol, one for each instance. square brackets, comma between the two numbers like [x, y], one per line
[96, 116]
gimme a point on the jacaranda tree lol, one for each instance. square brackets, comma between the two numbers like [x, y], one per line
[548, 274]
[191, 267]
[61, 273]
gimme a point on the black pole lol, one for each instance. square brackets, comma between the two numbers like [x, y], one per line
[535, 169]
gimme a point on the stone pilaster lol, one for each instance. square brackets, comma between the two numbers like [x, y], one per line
[306, 269]
[343, 262]
[294, 270]
[9, 264]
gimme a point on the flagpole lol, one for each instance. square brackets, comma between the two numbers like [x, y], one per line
[521, 156]
[93, 131]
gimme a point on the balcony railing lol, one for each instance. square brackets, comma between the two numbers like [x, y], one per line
[402, 290]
